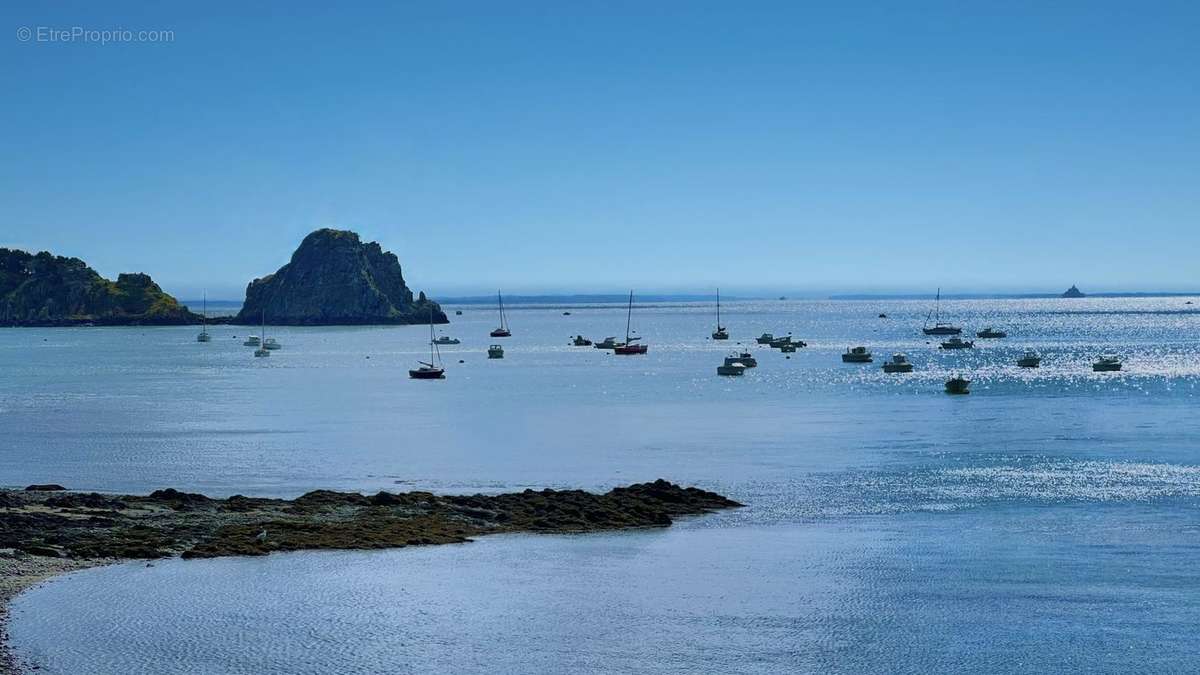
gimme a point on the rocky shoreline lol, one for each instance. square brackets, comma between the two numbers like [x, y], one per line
[46, 530]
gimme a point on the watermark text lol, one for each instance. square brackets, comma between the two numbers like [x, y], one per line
[85, 35]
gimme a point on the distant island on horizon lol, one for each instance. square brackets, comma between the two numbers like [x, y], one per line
[573, 299]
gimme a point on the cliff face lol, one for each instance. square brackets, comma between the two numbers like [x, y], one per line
[336, 279]
[49, 290]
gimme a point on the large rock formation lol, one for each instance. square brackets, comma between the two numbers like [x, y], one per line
[1073, 292]
[49, 290]
[336, 279]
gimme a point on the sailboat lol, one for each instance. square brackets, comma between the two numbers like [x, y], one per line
[502, 331]
[429, 371]
[628, 347]
[204, 336]
[720, 333]
[262, 350]
[939, 328]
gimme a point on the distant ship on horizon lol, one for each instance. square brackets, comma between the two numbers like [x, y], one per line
[1073, 292]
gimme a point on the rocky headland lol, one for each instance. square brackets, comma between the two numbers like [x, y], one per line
[43, 289]
[334, 278]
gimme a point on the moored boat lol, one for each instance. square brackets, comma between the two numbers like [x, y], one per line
[272, 344]
[745, 358]
[503, 330]
[788, 347]
[252, 341]
[731, 368]
[580, 341]
[1030, 359]
[720, 333]
[898, 364]
[628, 347]
[765, 339]
[991, 333]
[431, 370]
[939, 328]
[958, 385]
[495, 352]
[957, 343]
[204, 336]
[607, 343]
[447, 340]
[856, 355]
[1107, 363]
[262, 350]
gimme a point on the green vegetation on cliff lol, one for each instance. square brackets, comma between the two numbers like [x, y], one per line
[48, 290]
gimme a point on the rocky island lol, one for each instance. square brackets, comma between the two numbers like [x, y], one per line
[45, 530]
[47, 290]
[334, 278]
[1073, 292]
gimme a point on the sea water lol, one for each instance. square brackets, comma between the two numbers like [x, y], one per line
[1046, 522]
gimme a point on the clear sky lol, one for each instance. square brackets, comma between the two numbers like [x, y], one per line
[545, 146]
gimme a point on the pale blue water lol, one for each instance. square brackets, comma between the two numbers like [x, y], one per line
[1046, 522]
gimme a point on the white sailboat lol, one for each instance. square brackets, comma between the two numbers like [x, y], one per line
[432, 370]
[204, 336]
[262, 350]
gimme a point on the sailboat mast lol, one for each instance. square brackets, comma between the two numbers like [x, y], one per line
[432, 344]
[204, 313]
[628, 316]
[500, 301]
[937, 307]
[718, 309]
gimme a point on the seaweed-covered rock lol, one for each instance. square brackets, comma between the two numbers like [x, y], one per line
[169, 522]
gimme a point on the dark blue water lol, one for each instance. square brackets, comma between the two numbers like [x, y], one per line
[1046, 522]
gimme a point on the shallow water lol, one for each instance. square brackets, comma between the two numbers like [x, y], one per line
[1046, 522]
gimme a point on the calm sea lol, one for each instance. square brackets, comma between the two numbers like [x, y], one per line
[1048, 522]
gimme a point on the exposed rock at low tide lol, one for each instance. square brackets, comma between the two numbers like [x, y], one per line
[168, 522]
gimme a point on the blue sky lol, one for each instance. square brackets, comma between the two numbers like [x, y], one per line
[587, 146]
